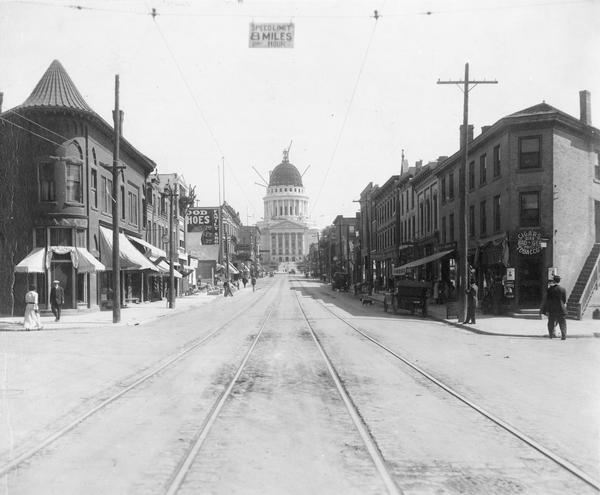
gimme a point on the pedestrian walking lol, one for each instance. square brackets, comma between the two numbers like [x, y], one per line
[244, 281]
[32, 311]
[555, 306]
[471, 292]
[227, 289]
[253, 282]
[57, 299]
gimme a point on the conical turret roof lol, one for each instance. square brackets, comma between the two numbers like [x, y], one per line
[56, 89]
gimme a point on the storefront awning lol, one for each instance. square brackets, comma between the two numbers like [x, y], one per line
[422, 261]
[130, 258]
[233, 270]
[163, 266]
[86, 262]
[38, 260]
[149, 249]
[34, 262]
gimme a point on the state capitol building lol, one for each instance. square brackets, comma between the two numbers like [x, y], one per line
[285, 230]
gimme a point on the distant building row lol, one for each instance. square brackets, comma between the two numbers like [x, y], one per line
[533, 208]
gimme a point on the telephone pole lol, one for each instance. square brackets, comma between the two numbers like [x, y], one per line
[116, 169]
[467, 85]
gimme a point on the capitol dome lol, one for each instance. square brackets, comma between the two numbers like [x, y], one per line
[285, 174]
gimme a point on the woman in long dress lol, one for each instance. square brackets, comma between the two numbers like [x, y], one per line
[32, 315]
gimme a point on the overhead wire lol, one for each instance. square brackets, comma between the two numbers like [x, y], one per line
[31, 132]
[200, 111]
[347, 113]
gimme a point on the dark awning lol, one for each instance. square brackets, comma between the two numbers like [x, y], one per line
[423, 261]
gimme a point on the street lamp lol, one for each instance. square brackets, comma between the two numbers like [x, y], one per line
[172, 193]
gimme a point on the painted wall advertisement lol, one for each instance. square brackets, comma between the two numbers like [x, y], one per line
[271, 35]
[202, 226]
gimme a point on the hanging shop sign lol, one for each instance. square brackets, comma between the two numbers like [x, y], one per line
[529, 242]
[271, 35]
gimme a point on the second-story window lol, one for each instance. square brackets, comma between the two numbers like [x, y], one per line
[496, 158]
[451, 226]
[529, 209]
[451, 186]
[73, 182]
[597, 166]
[471, 221]
[122, 201]
[443, 190]
[482, 218]
[530, 152]
[94, 187]
[106, 195]
[482, 169]
[472, 175]
[443, 230]
[46, 180]
[496, 213]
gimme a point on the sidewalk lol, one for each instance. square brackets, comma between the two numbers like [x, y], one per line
[505, 325]
[132, 315]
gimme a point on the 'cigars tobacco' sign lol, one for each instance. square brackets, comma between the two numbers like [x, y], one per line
[271, 35]
[529, 242]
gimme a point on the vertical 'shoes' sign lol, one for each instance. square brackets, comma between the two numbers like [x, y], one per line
[271, 35]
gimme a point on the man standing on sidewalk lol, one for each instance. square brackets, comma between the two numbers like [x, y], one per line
[556, 300]
[471, 293]
[57, 299]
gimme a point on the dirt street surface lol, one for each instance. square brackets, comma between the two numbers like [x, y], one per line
[235, 396]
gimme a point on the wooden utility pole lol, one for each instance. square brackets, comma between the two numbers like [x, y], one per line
[467, 85]
[116, 169]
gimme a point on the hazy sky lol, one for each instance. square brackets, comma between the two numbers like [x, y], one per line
[351, 94]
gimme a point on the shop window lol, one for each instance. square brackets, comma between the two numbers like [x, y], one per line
[529, 209]
[81, 238]
[61, 237]
[482, 169]
[40, 237]
[94, 187]
[496, 159]
[46, 181]
[482, 218]
[472, 175]
[497, 222]
[530, 152]
[471, 221]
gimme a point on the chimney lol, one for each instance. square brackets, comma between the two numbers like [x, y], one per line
[485, 128]
[418, 165]
[585, 107]
[469, 134]
[441, 158]
[1, 97]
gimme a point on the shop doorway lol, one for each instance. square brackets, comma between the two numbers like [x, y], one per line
[530, 279]
[63, 272]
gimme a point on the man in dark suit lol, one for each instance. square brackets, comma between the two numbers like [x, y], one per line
[471, 292]
[57, 299]
[555, 306]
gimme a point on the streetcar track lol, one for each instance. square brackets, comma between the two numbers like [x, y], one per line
[210, 419]
[170, 360]
[357, 419]
[563, 463]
